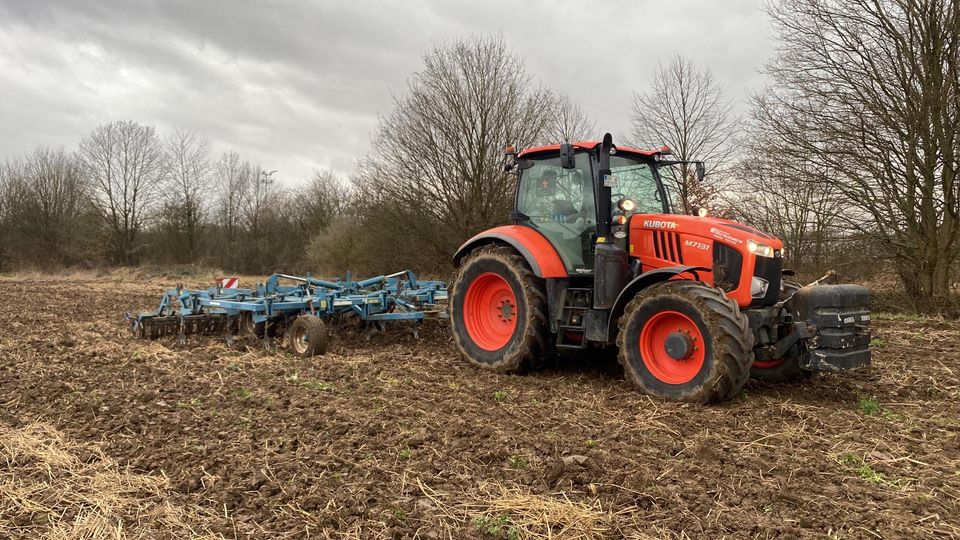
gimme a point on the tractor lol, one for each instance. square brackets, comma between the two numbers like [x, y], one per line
[596, 257]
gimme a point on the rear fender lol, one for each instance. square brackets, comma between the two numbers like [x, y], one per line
[641, 282]
[537, 250]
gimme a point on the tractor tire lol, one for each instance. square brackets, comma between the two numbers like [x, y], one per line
[685, 341]
[499, 311]
[308, 336]
[786, 369]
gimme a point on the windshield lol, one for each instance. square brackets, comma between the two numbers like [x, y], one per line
[635, 180]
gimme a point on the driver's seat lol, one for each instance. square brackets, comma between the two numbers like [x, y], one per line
[562, 210]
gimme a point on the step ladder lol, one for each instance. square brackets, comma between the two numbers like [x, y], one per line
[571, 332]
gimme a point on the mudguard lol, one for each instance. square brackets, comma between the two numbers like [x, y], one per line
[535, 248]
[644, 280]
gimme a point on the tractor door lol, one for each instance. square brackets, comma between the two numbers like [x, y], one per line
[560, 203]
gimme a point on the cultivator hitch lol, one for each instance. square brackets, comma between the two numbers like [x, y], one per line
[273, 307]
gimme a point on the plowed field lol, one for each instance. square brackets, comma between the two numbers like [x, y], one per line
[393, 436]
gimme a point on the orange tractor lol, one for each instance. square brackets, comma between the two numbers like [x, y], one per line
[595, 256]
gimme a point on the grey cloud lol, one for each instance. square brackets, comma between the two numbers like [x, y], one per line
[298, 85]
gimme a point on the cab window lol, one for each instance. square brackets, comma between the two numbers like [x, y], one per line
[560, 204]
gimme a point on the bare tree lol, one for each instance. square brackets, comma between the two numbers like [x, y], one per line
[231, 180]
[437, 160]
[186, 190]
[260, 188]
[685, 109]
[777, 194]
[47, 207]
[322, 200]
[124, 163]
[870, 90]
[570, 123]
[9, 173]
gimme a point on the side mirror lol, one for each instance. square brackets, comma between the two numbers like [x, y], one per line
[567, 159]
[701, 171]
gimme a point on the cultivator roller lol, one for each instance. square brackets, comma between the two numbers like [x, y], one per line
[157, 327]
[272, 308]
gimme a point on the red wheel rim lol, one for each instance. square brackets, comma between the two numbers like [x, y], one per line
[490, 311]
[768, 364]
[653, 351]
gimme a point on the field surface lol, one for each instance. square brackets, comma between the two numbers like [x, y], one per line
[393, 436]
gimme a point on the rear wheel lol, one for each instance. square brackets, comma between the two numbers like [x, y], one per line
[685, 341]
[308, 336]
[784, 369]
[498, 311]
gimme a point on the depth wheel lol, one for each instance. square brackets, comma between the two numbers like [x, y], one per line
[308, 336]
[685, 341]
[498, 311]
[786, 369]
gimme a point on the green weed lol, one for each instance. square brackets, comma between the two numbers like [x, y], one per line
[876, 343]
[294, 378]
[243, 392]
[406, 453]
[234, 367]
[518, 462]
[498, 526]
[591, 443]
[857, 464]
[500, 395]
[868, 405]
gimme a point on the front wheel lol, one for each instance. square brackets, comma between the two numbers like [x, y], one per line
[498, 311]
[685, 341]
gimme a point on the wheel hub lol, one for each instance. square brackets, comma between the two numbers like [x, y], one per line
[679, 345]
[672, 347]
[505, 310]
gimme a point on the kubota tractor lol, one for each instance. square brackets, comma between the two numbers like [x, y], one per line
[596, 256]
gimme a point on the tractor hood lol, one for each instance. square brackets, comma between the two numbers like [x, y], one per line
[722, 230]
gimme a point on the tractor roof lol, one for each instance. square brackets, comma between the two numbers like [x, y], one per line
[589, 145]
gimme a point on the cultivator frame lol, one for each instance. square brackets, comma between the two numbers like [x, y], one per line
[270, 307]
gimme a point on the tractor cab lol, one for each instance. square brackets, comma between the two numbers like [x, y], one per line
[558, 189]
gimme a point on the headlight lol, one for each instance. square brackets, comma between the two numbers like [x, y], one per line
[627, 205]
[762, 250]
[758, 287]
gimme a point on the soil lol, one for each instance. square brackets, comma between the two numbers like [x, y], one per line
[392, 435]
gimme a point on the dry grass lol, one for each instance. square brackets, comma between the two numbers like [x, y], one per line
[51, 487]
[513, 513]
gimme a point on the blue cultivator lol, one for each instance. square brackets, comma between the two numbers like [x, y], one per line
[296, 310]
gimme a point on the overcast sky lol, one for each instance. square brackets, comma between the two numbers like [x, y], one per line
[298, 85]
